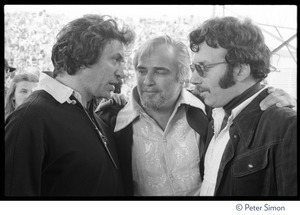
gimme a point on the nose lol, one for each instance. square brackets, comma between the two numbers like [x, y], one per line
[149, 79]
[195, 78]
[120, 72]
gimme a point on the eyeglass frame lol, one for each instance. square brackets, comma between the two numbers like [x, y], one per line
[203, 68]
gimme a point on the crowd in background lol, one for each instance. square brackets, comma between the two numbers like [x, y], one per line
[29, 37]
[35, 153]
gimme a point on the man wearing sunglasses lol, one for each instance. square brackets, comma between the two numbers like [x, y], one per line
[248, 152]
[162, 126]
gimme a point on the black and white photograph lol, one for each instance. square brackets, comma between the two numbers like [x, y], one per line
[118, 106]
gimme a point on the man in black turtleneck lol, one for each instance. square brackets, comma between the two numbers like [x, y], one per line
[248, 152]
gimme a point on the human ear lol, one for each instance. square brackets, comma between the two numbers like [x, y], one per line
[242, 72]
[13, 101]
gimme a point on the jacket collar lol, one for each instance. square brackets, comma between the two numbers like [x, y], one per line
[246, 121]
[132, 109]
[57, 90]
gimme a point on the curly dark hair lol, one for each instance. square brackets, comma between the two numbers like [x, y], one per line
[81, 42]
[243, 40]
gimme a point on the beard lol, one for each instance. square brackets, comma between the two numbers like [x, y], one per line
[152, 103]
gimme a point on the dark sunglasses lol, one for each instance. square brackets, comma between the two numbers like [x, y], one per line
[202, 69]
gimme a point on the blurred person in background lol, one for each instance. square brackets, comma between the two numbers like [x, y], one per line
[20, 88]
[68, 150]
[162, 128]
[248, 152]
[9, 74]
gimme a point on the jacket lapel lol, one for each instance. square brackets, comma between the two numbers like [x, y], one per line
[227, 157]
[201, 122]
[243, 125]
[124, 141]
[198, 121]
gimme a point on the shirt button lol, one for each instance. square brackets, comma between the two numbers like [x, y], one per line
[250, 166]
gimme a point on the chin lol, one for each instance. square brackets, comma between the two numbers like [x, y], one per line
[209, 103]
[151, 104]
[105, 95]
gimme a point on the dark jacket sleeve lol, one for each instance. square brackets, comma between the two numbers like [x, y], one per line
[123, 141]
[286, 154]
[24, 153]
[109, 114]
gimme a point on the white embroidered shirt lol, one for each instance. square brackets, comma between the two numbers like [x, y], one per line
[164, 163]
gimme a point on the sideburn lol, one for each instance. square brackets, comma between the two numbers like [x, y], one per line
[227, 80]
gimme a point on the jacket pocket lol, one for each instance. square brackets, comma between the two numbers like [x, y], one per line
[251, 163]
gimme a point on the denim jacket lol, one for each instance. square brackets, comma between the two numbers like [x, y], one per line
[260, 158]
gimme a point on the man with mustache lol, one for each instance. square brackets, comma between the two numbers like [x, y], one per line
[160, 130]
[249, 152]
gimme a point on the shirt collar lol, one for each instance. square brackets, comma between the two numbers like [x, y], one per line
[57, 90]
[132, 109]
[129, 112]
[189, 99]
